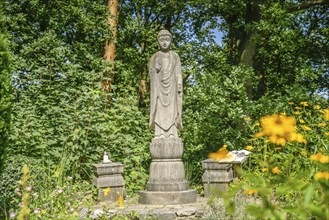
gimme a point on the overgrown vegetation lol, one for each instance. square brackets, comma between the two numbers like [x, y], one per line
[55, 117]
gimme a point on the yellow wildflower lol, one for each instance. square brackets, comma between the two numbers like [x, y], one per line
[278, 124]
[257, 124]
[326, 133]
[120, 201]
[298, 108]
[306, 128]
[250, 191]
[290, 103]
[324, 159]
[304, 153]
[316, 107]
[304, 104]
[106, 191]
[326, 114]
[247, 118]
[320, 157]
[316, 157]
[276, 170]
[321, 175]
[301, 121]
[297, 113]
[297, 137]
[322, 124]
[220, 154]
[277, 140]
[249, 147]
[264, 169]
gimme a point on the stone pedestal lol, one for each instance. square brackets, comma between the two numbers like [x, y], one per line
[109, 175]
[167, 183]
[216, 176]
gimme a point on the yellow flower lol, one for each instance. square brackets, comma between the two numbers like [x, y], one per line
[106, 191]
[247, 118]
[316, 157]
[306, 128]
[301, 121]
[322, 124]
[324, 159]
[277, 140]
[316, 107]
[326, 114]
[278, 125]
[290, 103]
[321, 175]
[320, 157]
[304, 104]
[250, 191]
[25, 169]
[257, 124]
[298, 108]
[249, 147]
[264, 169]
[326, 133]
[120, 201]
[297, 113]
[297, 137]
[220, 154]
[304, 153]
[276, 170]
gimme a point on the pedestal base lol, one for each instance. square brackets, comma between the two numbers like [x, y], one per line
[167, 198]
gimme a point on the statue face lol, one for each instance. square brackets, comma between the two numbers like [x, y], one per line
[164, 42]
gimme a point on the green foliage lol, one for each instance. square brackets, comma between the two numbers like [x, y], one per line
[62, 122]
[5, 89]
[285, 180]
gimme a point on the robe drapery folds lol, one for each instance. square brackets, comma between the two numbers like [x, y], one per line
[166, 101]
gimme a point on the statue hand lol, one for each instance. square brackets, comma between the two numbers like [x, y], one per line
[179, 88]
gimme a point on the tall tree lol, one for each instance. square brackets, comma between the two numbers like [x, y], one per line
[110, 50]
[271, 38]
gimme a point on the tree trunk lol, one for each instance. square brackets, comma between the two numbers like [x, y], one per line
[247, 48]
[110, 51]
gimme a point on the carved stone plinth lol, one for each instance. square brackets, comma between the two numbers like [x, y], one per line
[109, 175]
[167, 183]
[216, 176]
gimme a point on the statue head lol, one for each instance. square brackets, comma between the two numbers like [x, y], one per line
[164, 40]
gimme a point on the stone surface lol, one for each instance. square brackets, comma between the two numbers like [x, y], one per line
[166, 148]
[108, 175]
[164, 198]
[186, 212]
[146, 212]
[107, 169]
[166, 183]
[105, 181]
[113, 195]
[166, 89]
[216, 177]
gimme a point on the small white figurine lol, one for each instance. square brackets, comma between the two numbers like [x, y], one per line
[106, 158]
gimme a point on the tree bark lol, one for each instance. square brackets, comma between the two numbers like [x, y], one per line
[247, 48]
[110, 50]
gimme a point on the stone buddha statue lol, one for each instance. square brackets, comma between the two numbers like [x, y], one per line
[166, 89]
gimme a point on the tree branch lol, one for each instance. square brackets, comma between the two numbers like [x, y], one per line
[306, 5]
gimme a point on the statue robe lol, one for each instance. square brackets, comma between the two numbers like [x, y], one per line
[166, 102]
